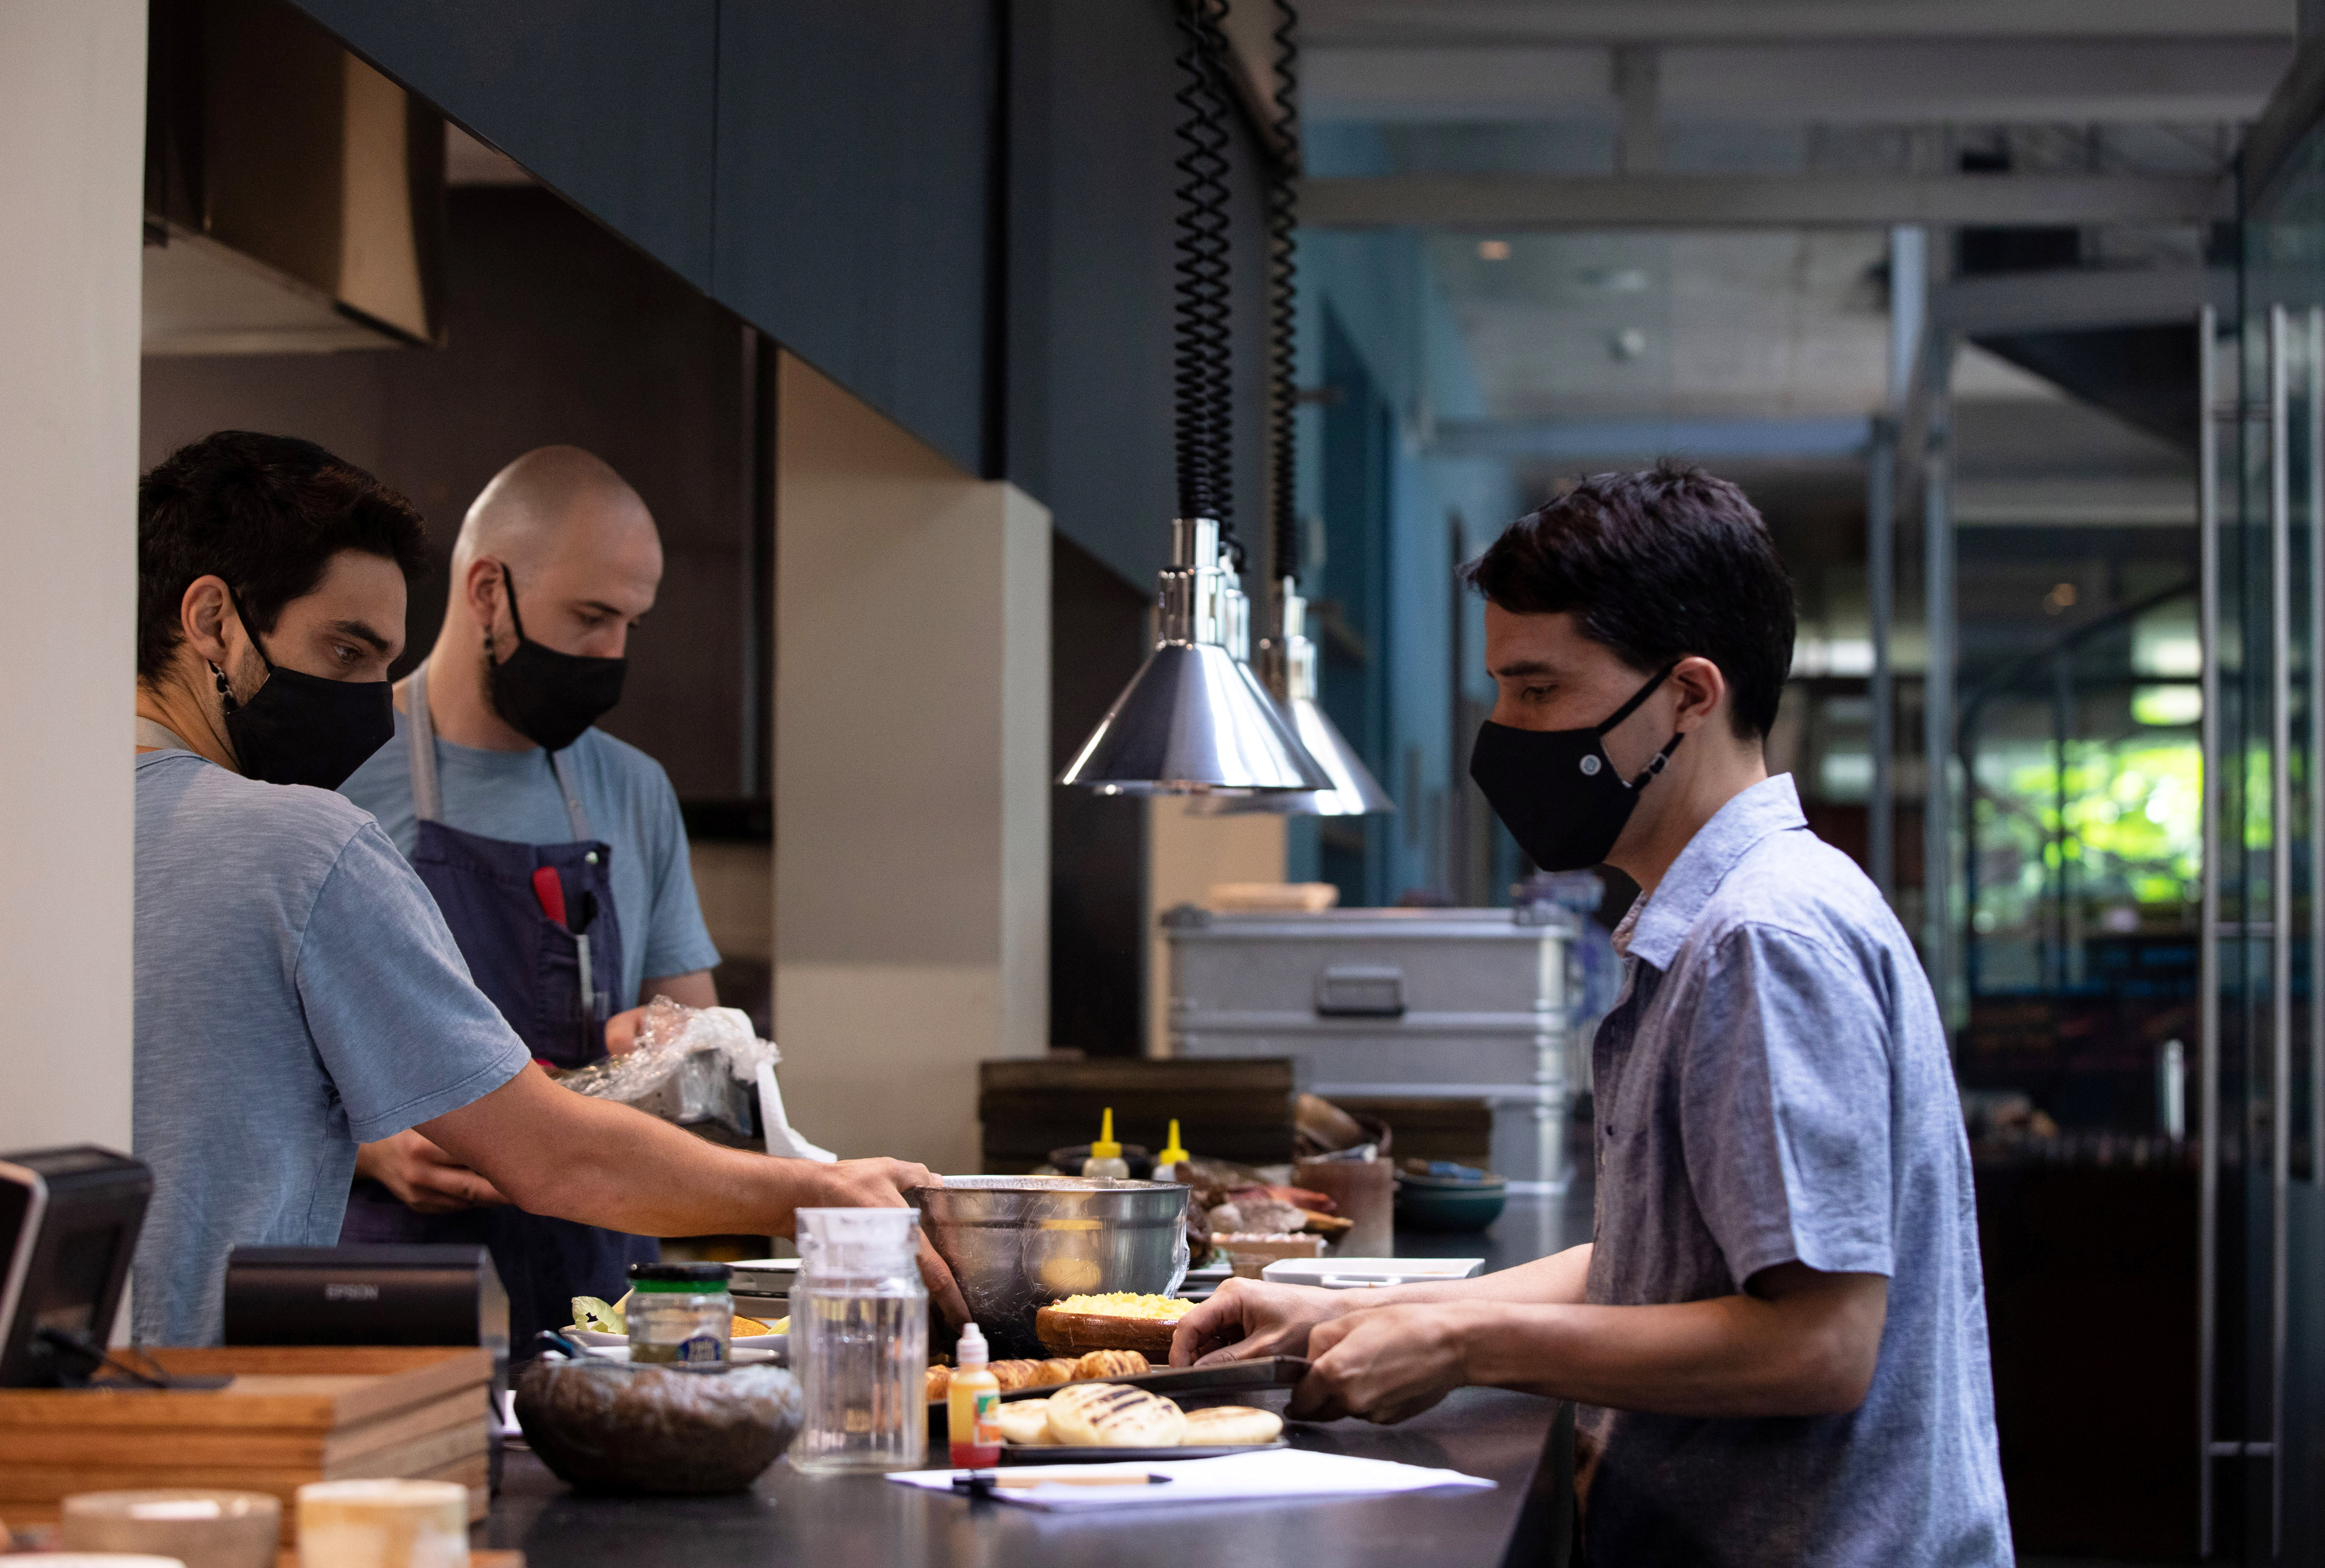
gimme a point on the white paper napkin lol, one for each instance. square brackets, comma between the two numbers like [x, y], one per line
[1276, 1475]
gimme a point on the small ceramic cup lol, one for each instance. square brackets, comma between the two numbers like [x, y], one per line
[383, 1524]
[198, 1527]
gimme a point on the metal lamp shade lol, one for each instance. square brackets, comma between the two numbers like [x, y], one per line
[1354, 792]
[1193, 722]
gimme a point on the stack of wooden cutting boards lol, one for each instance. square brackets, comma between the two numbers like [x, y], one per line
[291, 1416]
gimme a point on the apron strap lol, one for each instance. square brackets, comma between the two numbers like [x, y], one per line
[428, 803]
[420, 733]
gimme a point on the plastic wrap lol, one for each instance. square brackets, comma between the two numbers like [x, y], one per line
[691, 1065]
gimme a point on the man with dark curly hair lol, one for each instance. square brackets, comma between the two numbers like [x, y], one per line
[1778, 1333]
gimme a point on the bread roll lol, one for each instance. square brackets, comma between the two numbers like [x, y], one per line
[1114, 1415]
[939, 1383]
[1231, 1424]
[1057, 1369]
[1024, 1422]
[1014, 1375]
[1111, 1364]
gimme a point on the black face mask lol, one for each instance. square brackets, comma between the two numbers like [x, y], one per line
[302, 730]
[1556, 791]
[548, 697]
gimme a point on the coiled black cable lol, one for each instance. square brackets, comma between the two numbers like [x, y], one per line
[1201, 436]
[1282, 307]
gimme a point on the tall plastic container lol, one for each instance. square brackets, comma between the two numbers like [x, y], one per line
[860, 1341]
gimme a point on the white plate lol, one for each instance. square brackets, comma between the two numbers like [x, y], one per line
[1362, 1272]
[594, 1339]
[738, 1354]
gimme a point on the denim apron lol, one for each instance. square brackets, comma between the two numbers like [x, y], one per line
[552, 979]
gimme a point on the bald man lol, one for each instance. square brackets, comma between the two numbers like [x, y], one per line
[555, 851]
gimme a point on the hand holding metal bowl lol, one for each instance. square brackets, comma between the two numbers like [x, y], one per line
[1018, 1243]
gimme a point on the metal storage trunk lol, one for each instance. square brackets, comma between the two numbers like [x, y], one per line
[1468, 1003]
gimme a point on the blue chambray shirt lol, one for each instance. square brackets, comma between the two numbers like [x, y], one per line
[1774, 1085]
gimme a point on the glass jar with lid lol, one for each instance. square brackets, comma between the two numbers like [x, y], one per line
[680, 1312]
[860, 1340]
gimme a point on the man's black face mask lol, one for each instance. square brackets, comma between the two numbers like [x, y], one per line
[548, 697]
[1555, 789]
[302, 730]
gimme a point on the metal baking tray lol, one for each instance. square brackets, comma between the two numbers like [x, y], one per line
[1060, 1453]
[1256, 1376]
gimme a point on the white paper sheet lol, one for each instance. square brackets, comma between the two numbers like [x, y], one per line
[1274, 1476]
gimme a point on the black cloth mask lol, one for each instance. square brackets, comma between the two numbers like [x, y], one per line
[548, 697]
[303, 729]
[1556, 790]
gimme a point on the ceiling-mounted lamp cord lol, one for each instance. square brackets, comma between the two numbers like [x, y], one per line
[1201, 365]
[1283, 309]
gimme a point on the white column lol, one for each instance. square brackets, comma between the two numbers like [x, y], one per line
[911, 779]
[72, 126]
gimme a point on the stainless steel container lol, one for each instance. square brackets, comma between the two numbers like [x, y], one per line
[1019, 1243]
[1435, 1003]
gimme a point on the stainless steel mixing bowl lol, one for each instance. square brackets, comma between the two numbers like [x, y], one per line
[1019, 1243]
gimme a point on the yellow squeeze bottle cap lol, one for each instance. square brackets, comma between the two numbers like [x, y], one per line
[1173, 1153]
[1106, 1148]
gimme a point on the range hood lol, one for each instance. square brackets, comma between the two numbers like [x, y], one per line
[294, 197]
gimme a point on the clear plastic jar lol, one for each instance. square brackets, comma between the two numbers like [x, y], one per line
[680, 1312]
[860, 1341]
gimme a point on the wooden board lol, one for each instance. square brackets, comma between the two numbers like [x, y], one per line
[320, 1387]
[262, 1446]
[1454, 1128]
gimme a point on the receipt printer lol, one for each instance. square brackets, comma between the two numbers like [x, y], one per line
[365, 1296]
[69, 1221]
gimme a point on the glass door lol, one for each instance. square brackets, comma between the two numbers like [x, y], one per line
[2262, 1303]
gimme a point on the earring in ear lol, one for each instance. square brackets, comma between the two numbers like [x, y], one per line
[225, 692]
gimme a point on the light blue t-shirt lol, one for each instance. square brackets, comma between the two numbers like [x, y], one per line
[514, 796]
[1772, 1086]
[297, 993]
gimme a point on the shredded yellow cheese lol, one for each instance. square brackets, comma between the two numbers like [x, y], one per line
[1122, 1303]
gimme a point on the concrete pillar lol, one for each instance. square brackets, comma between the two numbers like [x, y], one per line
[1187, 854]
[911, 779]
[72, 127]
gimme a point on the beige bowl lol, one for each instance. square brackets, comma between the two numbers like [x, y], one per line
[383, 1524]
[198, 1527]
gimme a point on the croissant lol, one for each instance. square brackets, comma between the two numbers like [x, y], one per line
[1111, 1364]
[939, 1383]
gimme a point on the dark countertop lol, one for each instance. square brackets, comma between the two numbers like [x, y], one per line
[1522, 1442]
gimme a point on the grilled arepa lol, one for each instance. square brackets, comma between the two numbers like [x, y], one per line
[1113, 1415]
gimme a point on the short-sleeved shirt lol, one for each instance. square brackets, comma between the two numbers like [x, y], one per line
[514, 796]
[297, 993]
[1774, 1086]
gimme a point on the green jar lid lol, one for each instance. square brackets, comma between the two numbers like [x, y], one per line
[689, 1278]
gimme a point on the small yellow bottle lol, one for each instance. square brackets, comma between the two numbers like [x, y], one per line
[1168, 1164]
[973, 1405]
[1106, 1155]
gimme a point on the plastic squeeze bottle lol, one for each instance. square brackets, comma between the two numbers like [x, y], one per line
[973, 1405]
[1168, 1164]
[1106, 1155]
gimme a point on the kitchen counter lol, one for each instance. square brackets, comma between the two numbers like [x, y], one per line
[1523, 1443]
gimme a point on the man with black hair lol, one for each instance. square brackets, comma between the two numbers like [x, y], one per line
[1777, 1334]
[297, 989]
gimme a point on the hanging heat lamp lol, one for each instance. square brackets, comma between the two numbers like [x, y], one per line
[1194, 721]
[1288, 658]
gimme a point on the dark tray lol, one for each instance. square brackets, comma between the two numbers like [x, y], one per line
[1060, 1453]
[1256, 1376]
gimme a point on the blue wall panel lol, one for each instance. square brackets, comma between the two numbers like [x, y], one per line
[611, 103]
[854, 147]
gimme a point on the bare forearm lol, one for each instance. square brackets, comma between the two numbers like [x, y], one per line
[1731, 1356]
[1551, 1281]
[607, 1165]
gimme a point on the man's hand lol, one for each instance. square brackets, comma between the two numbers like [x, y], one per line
[882, 1183]
[1390, 1363]
[422, 1175]
[1247, 1318]
[621, 1032]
